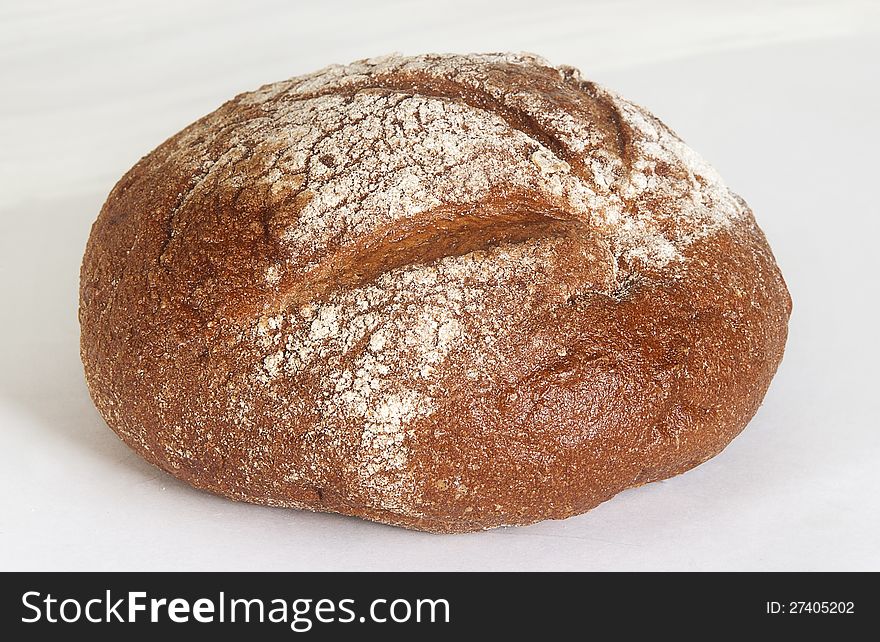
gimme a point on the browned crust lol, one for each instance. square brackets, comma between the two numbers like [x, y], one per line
[607, 387]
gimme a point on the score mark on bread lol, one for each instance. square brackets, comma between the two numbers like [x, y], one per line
[447, 231]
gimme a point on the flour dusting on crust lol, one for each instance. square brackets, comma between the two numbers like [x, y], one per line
[365, 149]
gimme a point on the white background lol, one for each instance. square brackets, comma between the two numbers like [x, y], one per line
[782, 97]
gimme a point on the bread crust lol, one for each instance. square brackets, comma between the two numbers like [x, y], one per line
[443, 292]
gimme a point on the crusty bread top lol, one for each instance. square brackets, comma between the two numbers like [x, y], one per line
[349, 152]
[382, 233]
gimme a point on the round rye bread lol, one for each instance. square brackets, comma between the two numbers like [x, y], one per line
[446, 292]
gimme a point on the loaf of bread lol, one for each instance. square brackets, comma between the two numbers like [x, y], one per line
[446, 292]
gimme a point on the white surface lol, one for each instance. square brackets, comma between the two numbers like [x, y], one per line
[782, 97]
